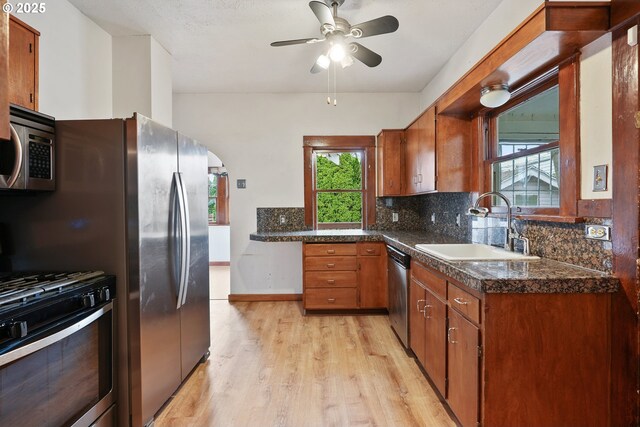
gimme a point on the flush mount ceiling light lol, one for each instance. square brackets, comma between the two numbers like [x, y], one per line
[495, 95]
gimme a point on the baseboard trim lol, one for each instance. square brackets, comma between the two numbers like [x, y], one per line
[264, 297]
[219, 264]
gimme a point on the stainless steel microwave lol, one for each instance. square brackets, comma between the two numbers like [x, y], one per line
[27, 160]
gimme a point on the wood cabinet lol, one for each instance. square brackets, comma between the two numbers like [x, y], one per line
[512, 358]
[4, 71]
[344, 276]
[390, 162]
[454, 150]
[23, 64]
[420, 154]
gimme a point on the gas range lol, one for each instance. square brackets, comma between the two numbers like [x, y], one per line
[32, 301]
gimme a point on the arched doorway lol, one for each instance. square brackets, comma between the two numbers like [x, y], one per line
[219, 226]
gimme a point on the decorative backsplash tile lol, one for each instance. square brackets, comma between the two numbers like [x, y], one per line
[269, 219]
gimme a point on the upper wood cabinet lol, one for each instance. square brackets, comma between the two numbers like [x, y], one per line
[4, 71]
[420, 154]
[390, 162]
[23, 64]
[454, 148]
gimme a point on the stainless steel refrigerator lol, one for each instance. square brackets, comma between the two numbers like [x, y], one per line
[131, 199]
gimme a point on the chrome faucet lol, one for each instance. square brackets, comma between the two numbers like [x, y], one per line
[512, 234]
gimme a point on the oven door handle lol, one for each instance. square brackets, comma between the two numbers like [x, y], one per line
[53, 338]
[17, 164]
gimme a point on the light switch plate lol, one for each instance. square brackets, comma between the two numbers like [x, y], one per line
[600, 178]
[597, 232]
[394, 217]
[242, 183]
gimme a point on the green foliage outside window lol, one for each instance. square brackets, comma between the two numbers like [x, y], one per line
[339, 171]
[213, 196]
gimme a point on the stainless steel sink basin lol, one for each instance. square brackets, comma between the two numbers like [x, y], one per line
[472, 252]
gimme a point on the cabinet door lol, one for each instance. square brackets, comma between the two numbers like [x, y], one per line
[435, 340]
[390, 159]
[4, 71]
[463, 369]
[453, 143]
[373, 281]
[412, 146]
[416, 320]
[22, 64]
[426, 167]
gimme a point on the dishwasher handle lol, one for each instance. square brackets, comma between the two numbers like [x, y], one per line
[399, 257]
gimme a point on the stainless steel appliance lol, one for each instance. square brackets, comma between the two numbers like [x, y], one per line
[56, 349]
[131, 198]
[27, 160]
[398, 264]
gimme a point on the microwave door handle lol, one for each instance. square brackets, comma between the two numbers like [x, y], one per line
[183, 232]
[17, 165]
[187, 240]
[50, 339]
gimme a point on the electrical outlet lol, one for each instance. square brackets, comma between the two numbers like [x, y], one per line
[458, 220]
[597, 232]
[394, 217]
[433, 218]
[283, 219]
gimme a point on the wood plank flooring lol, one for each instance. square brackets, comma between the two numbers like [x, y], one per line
[271, 366]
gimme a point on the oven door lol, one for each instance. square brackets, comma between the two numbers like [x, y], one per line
[12, 160]
[62, 376]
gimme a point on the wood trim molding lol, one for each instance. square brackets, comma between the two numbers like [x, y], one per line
[219, 263]
[569, 84]
[595, 208]
[337, 142]
[623, 11]
[264, 297]
[4, 71]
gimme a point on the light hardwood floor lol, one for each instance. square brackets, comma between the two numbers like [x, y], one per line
[271, 366]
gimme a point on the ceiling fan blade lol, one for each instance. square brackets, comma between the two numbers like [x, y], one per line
[297, 41]
[364, 55]
[322, 12]
[383, 25]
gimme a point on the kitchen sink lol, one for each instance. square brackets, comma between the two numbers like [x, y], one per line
[472, 252]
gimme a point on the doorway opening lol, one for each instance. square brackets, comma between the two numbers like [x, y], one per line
[219, 230]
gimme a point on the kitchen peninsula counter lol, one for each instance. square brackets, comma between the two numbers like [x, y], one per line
[534, 276]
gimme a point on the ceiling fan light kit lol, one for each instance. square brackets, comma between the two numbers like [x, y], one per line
[495, 95]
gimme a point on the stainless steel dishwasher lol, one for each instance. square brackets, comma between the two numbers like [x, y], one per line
[398, 275]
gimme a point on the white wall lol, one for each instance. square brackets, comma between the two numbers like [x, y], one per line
[259, 137]
[219, 243]
[596, 113]
[75, 63]
[161, 84]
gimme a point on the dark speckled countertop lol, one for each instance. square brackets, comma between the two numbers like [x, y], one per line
[537, 276]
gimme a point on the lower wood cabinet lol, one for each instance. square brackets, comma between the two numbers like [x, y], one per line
[4, 73]
[344, 276]
[512, 359]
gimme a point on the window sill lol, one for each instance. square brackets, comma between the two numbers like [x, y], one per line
[218, 224]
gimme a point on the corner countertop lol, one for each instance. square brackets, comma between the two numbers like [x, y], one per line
[536, 276]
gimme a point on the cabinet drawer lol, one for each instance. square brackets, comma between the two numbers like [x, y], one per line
[433, 282]
[330, 263]
[370, 249]
[464, 302]
[329, 249]
[330, 279]
[330, 298]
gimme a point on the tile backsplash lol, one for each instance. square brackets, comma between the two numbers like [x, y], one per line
[269, 219]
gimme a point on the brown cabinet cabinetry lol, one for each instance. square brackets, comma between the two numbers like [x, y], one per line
[23, 64]
[420, 154]
[507, 359]
[4, 71]
[344, 276]
[390, 162]
[453, 148]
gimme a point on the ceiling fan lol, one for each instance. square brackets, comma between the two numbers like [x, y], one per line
[337, 32]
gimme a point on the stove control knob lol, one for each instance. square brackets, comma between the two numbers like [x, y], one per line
[104, 295]
[18, 329]
[88, 300]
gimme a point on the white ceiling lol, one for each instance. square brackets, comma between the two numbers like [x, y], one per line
[223, 45]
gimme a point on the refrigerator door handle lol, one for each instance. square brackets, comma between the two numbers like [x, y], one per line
[187, 240]
[182, 214]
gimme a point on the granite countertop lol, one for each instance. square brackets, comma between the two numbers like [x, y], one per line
[535, 276]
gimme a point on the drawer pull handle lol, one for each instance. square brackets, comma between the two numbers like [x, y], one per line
[331, 265]
[331, 300]
[331, 251]
[418, 304]
[449, 336]
[370, 251]
[461, 301]
[425, 311]
[331, 281]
